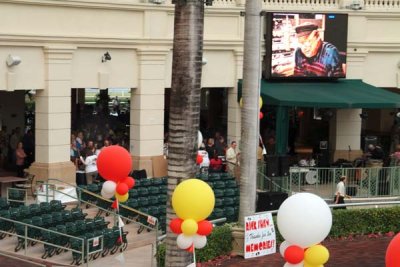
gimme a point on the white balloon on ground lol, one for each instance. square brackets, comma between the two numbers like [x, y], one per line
[304, 219]
[109, 187]
[106, 195]
[282, 247]
[184, 241]
[288, 264]
[199, 241]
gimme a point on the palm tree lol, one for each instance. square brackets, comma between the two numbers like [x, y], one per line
[250, 110]
[184, 115]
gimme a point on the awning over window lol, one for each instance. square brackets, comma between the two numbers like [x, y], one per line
[334, 94]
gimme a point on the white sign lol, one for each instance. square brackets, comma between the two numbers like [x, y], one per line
[259, 235]
[96, 241]
[151, 220]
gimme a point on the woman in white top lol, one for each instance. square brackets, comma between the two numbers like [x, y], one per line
[340, 192]
[90, 166]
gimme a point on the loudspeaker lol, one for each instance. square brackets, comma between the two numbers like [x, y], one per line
[270, 200]
[284, 165]
[272, 168]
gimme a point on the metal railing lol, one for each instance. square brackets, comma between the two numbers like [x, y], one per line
[375, 204]
[80, 201]
[365, 182]
[369, 182]
[26, 237]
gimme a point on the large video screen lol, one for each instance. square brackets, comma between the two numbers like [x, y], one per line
[305, 45]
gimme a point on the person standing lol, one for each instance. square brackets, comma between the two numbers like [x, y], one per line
[20, 159]
[340, 192]
[232, 158]
[90, 166]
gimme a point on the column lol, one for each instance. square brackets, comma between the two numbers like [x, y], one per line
[147, 114]
[345, 131]
[53, 118]
[234, 118]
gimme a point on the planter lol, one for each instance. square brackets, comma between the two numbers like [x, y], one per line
[238, 240]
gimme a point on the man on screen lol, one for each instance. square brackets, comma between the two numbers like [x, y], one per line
[315, 57]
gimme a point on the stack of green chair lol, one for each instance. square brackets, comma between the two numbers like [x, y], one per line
[51, 238]
[20, 230]
[57, 218]
[35, 209]
[4, 205]
[67, 216]
[6, 226]
[45, 208]
[77, 214]
[16, 197]
[56, 205]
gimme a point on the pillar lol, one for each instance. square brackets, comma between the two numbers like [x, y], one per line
[234, 117]
[53, 118]
[147, 114]
[345, 131]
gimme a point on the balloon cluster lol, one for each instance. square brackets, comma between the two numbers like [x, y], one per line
[304, 220]
[114, 164]
[260, 104]
[193, 201]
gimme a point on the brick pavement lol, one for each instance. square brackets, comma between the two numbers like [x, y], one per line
[360, 252]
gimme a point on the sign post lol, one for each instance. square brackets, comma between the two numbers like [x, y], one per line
[259, 235]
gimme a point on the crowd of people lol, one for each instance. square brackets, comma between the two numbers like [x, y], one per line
[17, 150]
[86, 145]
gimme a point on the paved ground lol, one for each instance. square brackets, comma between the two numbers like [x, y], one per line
[362, 251]
[365, 252]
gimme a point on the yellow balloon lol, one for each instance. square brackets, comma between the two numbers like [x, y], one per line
[316, 255]
[121, 198]
[193, 199]
[189, 227]
[241, 102]
[260, 102]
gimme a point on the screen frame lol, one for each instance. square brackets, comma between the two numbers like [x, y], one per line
[268, 38]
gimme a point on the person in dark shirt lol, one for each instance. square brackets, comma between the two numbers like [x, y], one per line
[375, 152]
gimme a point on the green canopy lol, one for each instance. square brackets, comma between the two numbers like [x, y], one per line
[336, 94]
[320, 94]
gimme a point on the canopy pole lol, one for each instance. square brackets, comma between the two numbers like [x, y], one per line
[282, 130]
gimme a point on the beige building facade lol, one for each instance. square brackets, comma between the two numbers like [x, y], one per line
[61, 44]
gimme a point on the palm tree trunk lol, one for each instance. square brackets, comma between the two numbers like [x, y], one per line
[184, 109]
[250, 110]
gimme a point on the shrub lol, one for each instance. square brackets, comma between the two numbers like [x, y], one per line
[218, 243]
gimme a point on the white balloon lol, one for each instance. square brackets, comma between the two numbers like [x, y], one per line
[109, 187]
[106, 195]
[288, 264]
[283, 246]
[184, 241]
[199, 241]
[199, 139]
[304, 219]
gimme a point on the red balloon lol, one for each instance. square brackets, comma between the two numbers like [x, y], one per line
[294, 254]
[114, 163]
[261, 115]
[204, 227]
[300, 114]
[122, 189]
[392, 252]
[199, 159]
[129, 181]
[175, 225]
